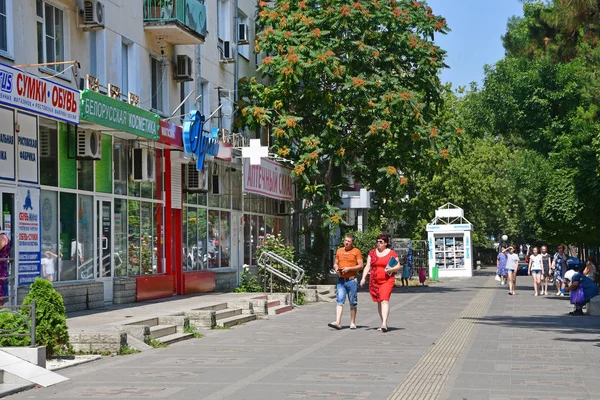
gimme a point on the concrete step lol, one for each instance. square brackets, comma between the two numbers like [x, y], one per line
[175, 337]
[236, 320]
[273, 303]
[213, 307]
[12, 388]
[229, 312]
[264, 297]
[158, 331]
[142, 321]
[280, 309]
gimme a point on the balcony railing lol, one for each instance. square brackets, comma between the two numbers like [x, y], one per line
[188, 15]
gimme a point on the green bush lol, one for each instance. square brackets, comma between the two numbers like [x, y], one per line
[365, 241]
[249, 283]
[51, 320]
[13, 324]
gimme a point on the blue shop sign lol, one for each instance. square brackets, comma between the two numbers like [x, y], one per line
[195, 143]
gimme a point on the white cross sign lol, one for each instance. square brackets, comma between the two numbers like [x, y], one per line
[255, 152]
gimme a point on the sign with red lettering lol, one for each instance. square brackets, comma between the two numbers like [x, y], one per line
[269, 179]
[42, 96]
[170, 134]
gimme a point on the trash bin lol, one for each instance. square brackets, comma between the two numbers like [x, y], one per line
[435, 273]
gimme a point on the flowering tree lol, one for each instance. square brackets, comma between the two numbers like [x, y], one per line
[351, 89]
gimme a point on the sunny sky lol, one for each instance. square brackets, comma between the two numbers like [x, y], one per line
[477, 26]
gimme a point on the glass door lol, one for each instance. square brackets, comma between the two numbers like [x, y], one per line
[104, 246]
[7, 226]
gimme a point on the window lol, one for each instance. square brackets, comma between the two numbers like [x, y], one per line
[157, 84]
[6, 28]
[48, 152]
[224, 20]
[243, 50]
[124, 68]
[50, 35]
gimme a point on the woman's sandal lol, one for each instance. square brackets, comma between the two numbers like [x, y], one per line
[383, 329]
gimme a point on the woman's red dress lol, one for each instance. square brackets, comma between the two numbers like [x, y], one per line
[380, 283]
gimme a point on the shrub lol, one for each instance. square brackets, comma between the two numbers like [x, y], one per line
[249, 282]
[364, 241]
[51, 320]
[11, 323]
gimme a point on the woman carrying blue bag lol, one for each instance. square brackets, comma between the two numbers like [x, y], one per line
[582, 290]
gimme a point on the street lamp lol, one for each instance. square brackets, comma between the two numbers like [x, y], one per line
[504, 240]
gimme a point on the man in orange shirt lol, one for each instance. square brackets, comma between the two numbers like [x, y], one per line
[348, 261]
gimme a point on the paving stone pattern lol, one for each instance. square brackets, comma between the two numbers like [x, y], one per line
[491, 346]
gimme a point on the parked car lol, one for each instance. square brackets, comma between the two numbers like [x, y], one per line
[522, 268]
[575, 263]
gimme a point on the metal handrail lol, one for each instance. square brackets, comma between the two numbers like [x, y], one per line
[266, 261]
[29, 325]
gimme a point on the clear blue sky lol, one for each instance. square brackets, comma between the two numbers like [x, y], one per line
[475, 39]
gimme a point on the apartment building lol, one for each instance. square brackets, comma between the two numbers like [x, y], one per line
[98, 192]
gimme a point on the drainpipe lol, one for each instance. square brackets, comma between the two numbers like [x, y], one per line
[235, 98]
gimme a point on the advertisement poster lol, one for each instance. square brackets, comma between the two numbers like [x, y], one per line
[7, 145]
[27, 150]
[268, 179]
[28, 234]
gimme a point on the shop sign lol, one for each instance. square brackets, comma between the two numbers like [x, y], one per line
[113, 113]
[269, 179]
[7, 144]
[170, 134]
[28, 234]
[29, 92]
[463, 227]
[27, 148]
[195, 143]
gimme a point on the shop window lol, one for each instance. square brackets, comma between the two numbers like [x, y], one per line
[157, 76]
[225, 238]
[133, 250]
[147, 249]
[48, 146]
[256, 236]
[147, 190]
[104, 167]
[236, 186]
[191, 198]
[70, 252]
[213, 239]
[6, 29]
[248, 239]
[49, 225]
[50, 35]
[202, 238]
[120, 235]
[85, 237]
[269, 225]
[85, 175]
[120, 165]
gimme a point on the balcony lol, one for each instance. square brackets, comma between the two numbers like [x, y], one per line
[176, 21]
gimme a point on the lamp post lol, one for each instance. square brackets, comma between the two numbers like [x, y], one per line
[504, 240]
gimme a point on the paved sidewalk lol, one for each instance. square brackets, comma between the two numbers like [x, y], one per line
[460, 339]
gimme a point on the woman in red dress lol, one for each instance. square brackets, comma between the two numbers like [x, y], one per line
[382, 278]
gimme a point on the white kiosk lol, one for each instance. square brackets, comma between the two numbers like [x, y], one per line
[450, 246]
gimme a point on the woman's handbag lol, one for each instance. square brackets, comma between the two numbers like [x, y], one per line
[497, 278]
[577, 296]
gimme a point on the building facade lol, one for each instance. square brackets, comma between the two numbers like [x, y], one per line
[119, 198]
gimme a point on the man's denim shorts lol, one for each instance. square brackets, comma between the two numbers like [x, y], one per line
[347, 287]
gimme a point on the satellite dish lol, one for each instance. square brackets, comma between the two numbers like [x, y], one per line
[226, 108]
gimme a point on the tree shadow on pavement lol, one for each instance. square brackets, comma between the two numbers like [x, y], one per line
[566, 326]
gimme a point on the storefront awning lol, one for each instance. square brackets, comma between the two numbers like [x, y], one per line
[115, 114]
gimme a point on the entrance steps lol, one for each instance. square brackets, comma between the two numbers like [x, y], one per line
[17, 375]
[224, 315]
[323, 292]
[272, 304]
[166, 330]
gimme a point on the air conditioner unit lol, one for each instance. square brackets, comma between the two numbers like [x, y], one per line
[227, 53]
[143, 165]
[45, 149]
[243, 34]
[195, 181]
[184, 69]
[89, 145]
[92, 15]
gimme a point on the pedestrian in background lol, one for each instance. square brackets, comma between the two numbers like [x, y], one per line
[590, 269]
[546, 261]
[559, 266]
[512, 262]
[582, 289]
[501, 264]
[405, 271]
[4, 256]
[535, 270]
[348, 261]
[382, 279]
